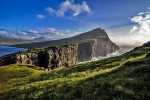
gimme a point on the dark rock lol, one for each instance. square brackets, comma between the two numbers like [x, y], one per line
[86, 51]
[9, 59]
[43, 59]
[148, 55]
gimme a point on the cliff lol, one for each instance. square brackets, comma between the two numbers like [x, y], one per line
[103, 44]
[53, 57]
[96, 34]
[87, 50]
[58, 56]
[80, 48]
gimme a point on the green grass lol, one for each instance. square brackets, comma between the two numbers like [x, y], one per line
[119, 78]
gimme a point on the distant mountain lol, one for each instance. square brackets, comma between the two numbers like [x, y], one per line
[12, 41]
[98, 33]
[40, 39]
[101, 45]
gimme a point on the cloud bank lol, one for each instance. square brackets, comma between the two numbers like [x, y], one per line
[69, 8]
[141, 29]
[44, 33]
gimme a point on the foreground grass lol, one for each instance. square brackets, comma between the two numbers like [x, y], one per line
[119, 78]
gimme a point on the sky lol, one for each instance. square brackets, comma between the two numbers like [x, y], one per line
[124, 20]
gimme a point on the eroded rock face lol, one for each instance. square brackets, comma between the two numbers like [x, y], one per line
[87, 50]
[53, 57]
[62, 56]
[27, 58]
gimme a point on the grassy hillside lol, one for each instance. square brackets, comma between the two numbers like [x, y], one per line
[118, 78]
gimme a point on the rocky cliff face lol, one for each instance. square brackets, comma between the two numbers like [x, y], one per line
[105, 46]
[53, 57]
[60, 56]
[87, 50]
[81, 48]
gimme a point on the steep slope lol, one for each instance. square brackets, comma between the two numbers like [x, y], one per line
[125, 77]
[12, 41]
[94, 34]
[103, 47]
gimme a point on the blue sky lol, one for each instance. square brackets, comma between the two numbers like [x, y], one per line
[115, 16]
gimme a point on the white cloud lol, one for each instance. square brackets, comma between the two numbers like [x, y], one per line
[46, 33]
[141, 13]
[3, 33]
[23, 33]
[69, 8]
[41, 16]
[134, 28]
[33, 31]
[54, 34]
[141, 30]
[50, 10]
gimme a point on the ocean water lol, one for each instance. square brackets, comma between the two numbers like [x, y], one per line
[5, 50]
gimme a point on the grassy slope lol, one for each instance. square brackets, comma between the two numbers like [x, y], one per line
[124, 77]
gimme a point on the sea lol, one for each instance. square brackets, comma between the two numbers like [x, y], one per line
[5, 50]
